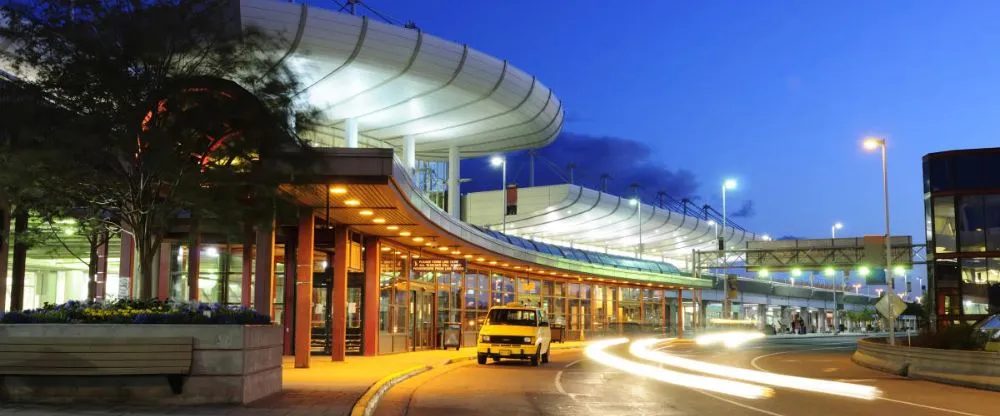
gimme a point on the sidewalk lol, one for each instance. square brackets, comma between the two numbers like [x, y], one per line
[325, 389]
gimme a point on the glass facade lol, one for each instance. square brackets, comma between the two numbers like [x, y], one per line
[962, 209]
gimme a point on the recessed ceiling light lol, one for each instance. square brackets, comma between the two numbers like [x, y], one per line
[456, 252]
[429, 244]
[392, 227]
[480, 259]
[379, 220]
[468, 256]
[404, 233]
[366, 212]
[403, 256]
[505, 265]
[352, 202]
[416, 256]
[443, 248]
[338, 190]
[386, 249]
[418, 239]
[492, 263]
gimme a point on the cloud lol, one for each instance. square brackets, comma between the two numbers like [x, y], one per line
[627, 161]
[745, 211]
[789, 237]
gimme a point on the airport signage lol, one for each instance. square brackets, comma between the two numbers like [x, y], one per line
[438, 265]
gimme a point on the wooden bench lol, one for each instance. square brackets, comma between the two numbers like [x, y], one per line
[52, 356]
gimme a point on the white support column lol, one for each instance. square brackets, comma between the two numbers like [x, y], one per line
[454, 195]
[410, 152]
[351, 132]
[761, 316]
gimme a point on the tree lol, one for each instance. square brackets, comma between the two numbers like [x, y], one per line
[169, 107]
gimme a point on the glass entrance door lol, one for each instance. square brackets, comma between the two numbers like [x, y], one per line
[355, 308]
[422, 320]
[321, 323]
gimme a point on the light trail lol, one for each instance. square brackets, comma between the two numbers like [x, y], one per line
[730, 339]
[596, 352]
[642, 350]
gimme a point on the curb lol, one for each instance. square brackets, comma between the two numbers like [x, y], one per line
[365, 406]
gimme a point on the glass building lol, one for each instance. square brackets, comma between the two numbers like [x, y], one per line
[962, 210]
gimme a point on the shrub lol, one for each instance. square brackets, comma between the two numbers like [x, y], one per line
[951, 337]
[142, 312]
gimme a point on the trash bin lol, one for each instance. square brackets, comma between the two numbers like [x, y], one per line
[558, 332]
[451, 335]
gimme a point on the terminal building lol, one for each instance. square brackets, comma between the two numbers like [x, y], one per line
[376, 259]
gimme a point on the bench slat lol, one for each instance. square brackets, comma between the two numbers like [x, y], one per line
[106, 371]
[70, 349]
[109, 363]
[11, 357]
[95, 341]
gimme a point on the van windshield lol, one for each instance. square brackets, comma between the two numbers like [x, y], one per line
[524, 317]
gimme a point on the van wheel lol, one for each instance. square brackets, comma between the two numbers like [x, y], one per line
[545, 358]
[481, 358]
[496, 359]
[534, 358]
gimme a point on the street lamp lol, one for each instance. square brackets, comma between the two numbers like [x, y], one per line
[726, 185]
[638, 213]
[501, 162]
[872, 143]
[857, 288]
[834, 228]
[830, 272]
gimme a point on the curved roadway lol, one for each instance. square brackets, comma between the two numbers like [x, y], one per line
[572, 384]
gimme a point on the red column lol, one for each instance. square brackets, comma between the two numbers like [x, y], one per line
[126, 266]
[163, 275]
[303, 287]
[680, 313]
[288, 313]
[246, 277]
[369, 320]
[338, 309]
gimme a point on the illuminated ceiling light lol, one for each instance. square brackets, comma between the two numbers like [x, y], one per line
[352, 202]
[468, 256]
[796, 272]
[404, 233]
[829, 271]
[416, 256]
[443, 248]
[386, 249]
[418, 239]
[338, 190]
[366, 212]
[456, 252]
[480, 259]
[899, 270]
[378, 220]
[403, 256]
[392, 227]
[590, 278]
[763, 273]
[565, 275]
[505, 265]
[517, 267]
[493, 263]
[864, 271]
[429, 244]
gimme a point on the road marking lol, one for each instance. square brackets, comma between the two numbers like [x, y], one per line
[766, 412]
[857, 380]
[753, 362]
[558, 382]
[957, 412]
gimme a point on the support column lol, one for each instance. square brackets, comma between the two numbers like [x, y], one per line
[369, 319]
[806, 320]
[20, 261]
[303, 287]
[761, 316]
[454, 193]
[126, 265]
[338, 308]
[288, 312]
[410, 152]
[101, 280]
[194, 261]
[4, 253]
[263, 301]
[680, 313]
[163, 272]
[351, 132]
[702, 313]
[246, 275]
[821, 317]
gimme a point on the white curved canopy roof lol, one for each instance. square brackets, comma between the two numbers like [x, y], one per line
[586, 217]
[396, 82]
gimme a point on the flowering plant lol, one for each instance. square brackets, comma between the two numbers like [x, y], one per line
[132, 311]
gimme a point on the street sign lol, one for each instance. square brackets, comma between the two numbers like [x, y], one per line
[438, 265]
[898, 306]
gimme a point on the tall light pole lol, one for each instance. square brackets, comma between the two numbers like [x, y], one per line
[726, 185]
[834, 228]
[638, 213]
[501, 162]
[831, 273]
[872, 143]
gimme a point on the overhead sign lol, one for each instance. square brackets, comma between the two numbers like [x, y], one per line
[438, 265]
[818, 254]
[898, 306]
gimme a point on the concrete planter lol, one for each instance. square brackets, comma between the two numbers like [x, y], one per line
[231, 364]
[978, 369]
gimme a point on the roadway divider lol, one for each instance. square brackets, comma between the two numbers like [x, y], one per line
[366, 405]
[977, 369]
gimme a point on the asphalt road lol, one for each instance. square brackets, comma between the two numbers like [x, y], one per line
[571, 384]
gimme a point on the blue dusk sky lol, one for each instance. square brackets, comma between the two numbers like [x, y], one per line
[678, 95]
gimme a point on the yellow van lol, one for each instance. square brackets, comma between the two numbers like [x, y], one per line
[514, 331]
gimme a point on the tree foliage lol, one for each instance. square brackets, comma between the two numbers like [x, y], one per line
[150, 111]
